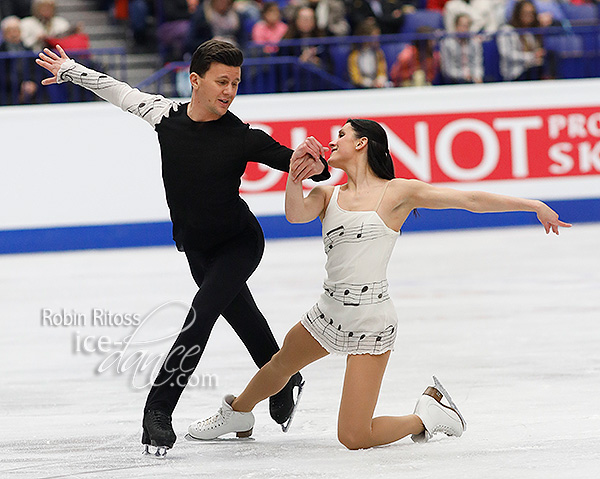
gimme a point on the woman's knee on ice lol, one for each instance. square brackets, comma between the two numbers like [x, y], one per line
[354, 438]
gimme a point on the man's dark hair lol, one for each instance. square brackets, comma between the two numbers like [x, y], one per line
[215, 51]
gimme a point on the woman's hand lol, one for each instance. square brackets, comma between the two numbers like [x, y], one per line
[306, 160]
[51, 62]
[549, 219]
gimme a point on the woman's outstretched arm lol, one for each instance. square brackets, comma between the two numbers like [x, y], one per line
[423, 195]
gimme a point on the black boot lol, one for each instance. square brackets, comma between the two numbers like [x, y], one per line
[158, 431]
[282, 404]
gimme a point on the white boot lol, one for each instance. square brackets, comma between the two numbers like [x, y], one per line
[437, 417]
[225, 421]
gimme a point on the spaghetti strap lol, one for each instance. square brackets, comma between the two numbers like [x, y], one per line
[382, 195]
[333, 198]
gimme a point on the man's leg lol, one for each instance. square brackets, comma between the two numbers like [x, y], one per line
[252, 328]
[221, 275]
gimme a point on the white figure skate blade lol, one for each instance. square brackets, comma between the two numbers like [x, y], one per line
[218, 439]
[440, 388]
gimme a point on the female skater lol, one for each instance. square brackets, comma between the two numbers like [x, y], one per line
[355, 315]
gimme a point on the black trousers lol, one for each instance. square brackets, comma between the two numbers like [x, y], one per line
[221, 276]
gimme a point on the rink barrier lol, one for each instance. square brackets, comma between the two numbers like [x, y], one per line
[159, 233]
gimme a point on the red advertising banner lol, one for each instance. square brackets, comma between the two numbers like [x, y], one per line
[442, 148]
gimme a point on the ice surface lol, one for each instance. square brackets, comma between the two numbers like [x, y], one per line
[508, 319]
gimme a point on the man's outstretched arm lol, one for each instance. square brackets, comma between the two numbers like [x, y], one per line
[151, 108]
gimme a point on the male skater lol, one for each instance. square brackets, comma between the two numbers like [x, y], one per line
[204, 150]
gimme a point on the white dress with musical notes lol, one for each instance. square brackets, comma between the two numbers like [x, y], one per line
[355, 314]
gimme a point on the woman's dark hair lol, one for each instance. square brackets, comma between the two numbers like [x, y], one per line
[425, 46]
[215, 51]
[378, 154]
[266, 6]
[515, 18]
[293, 33]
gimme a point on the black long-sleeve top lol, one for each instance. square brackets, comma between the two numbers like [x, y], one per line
[202, 162]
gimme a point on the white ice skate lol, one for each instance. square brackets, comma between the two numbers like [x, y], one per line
[225, 421]
[438, 417]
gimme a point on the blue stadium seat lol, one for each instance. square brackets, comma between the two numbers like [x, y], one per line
[339, 60]
[421, 18]
[586, 14]
[567, 50]
[391, 51]
[491, 61]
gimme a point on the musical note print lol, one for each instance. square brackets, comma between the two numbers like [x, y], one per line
[341, 235]
[342, 341]
[358, 294]
[147, 109]
[330, 235]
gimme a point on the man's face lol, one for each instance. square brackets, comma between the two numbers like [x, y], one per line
[217, 89]
[12, 33]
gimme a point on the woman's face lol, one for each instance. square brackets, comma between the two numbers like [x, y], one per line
[463, 24]
[342, 147]
[527, 15]
[272, 16]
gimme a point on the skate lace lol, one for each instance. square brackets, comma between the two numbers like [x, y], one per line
[444, 429]
[160, 419]
[213, 421]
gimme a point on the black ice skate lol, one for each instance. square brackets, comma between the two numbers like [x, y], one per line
[158, 432]
[282, 405]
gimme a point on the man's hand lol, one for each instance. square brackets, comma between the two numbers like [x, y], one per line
[51, 62]
[306, 160]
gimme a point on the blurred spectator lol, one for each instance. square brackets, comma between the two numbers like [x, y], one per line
[417, 64]
[521, 53]
[44, 24]
[303, 27]
[19, 8]
[462, 56]
[367, 67]
[214, 19]
[549, 12]
[388, 13]
[330, 15]
[17, 73]
[269, 30]
[486, 15]
[140, 13]
[173, 32]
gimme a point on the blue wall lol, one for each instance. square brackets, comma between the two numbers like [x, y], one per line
[159, 234]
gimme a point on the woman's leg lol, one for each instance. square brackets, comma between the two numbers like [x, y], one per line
[299, 349]
[357, 429]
